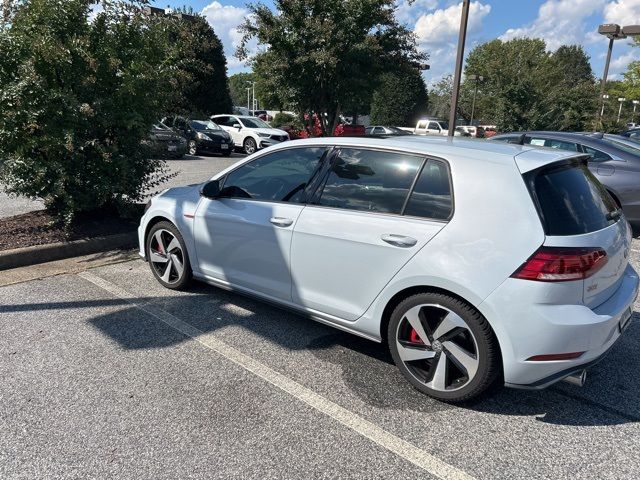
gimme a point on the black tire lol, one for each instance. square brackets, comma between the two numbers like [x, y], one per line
[486, 345]
[227, 153]
[192, 148]
[173, 281]
[249, 145]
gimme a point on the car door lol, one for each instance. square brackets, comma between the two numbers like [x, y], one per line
[361, 226]
[434, 128]
[236, 133]
[244, 237]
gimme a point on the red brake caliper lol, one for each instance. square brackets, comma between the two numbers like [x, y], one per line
[413, 336]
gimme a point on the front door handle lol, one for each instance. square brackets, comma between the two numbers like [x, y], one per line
[281, 221]
[399, 240]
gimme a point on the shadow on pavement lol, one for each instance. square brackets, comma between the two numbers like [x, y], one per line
[608, 398]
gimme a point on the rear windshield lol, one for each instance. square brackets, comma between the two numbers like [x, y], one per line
[570, 200]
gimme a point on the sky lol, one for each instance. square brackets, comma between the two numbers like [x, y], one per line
[436, 23]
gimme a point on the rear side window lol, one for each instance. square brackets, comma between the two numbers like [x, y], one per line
[369, 180]
[596, 155]
[431, 196]
[570, 200]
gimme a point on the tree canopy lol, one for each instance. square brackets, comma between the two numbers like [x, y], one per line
[526, 87]
[400, 99]
[325, 55]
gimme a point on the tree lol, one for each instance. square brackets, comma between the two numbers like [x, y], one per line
[440, 97]
[323, 54]
[400, 99]
[238, 84]
[76, 101]
[196, 51]
[527, 88]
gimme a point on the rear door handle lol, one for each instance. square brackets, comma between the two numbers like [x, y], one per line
[399, 240]
[281, 221]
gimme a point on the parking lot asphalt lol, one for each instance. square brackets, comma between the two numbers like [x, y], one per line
[189, 169]
[106, 374]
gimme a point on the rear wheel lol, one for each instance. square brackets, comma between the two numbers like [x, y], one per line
[193, 147]
[168, 256]
[443, 347]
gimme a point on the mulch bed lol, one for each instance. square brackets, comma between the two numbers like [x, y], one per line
[39, 228]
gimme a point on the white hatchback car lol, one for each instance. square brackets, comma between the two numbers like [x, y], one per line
[476, 262]
[250, 133]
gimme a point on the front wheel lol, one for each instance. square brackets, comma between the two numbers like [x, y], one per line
[443, 347]
[168, 257]
[249, 145]
[193, 147]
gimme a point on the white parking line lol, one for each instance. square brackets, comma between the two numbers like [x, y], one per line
[373, 432]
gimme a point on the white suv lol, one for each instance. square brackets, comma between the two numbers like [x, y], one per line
[476, 262]
[250, 133]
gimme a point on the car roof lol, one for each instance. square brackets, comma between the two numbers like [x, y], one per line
[448, 148]
[582, 138]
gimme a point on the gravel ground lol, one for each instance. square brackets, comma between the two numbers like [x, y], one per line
[96, 383]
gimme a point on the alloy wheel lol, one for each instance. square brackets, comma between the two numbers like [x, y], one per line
[166, 256]
[193, 147]
[437, 347]
[249, 146]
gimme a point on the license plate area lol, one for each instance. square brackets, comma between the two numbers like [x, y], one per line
[224, 146]
[626, 320]
[172, 148]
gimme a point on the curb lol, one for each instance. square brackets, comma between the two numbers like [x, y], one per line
[22, 257]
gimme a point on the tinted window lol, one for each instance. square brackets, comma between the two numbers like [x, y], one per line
[378, 131]
[433, 126]
[596, 155]
[552, 143]
[369, 180]
[431, 196]
[222, 121]
[571, 200]
[280, 176]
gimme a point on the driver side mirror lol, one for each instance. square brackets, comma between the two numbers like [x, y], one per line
[211, 189]
[237, 125]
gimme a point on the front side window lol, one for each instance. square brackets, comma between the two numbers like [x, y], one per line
[281, 176]
[369, 180]
[431, 196]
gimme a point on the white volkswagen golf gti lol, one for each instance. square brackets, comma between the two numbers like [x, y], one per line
[477, 263]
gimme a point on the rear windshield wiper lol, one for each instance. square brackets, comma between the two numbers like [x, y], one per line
[614, 215]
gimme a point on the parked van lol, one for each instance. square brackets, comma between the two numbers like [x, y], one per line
[432, 126]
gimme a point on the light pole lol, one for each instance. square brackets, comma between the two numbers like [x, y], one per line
[604, 97]
[621, 100]
[462, 36]
[633, 115]
[253, 88]
[613, 32]
[476, 79]
[248, 98]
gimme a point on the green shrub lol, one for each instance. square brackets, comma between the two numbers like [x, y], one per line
[282, 118]
[77, 98]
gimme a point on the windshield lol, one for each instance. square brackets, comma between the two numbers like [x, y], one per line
[204, 125]
[160, 126]
[635, 150]
[398, 131]
[253, 122]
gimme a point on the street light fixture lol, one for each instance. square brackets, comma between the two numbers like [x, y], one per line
[604, 97]
[613, 32]
[633, 116]
[462, 36]
[621, 100]
[476, 78]
[253, 88]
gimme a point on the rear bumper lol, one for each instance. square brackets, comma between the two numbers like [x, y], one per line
[525, 329]
[215, 147]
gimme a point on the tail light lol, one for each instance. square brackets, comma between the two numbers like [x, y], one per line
[562, 264]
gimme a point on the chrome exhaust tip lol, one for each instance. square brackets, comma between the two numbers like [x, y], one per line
[578, 378]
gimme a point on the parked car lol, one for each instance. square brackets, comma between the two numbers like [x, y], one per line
[250, 133]
[164, 142]
[489, 130]
[632, 134]
[526, 281]
[349, 130]
[386, 131]
[435, 127]
[262, 115]
[203, 136]
[473, 130]
[617, 166]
